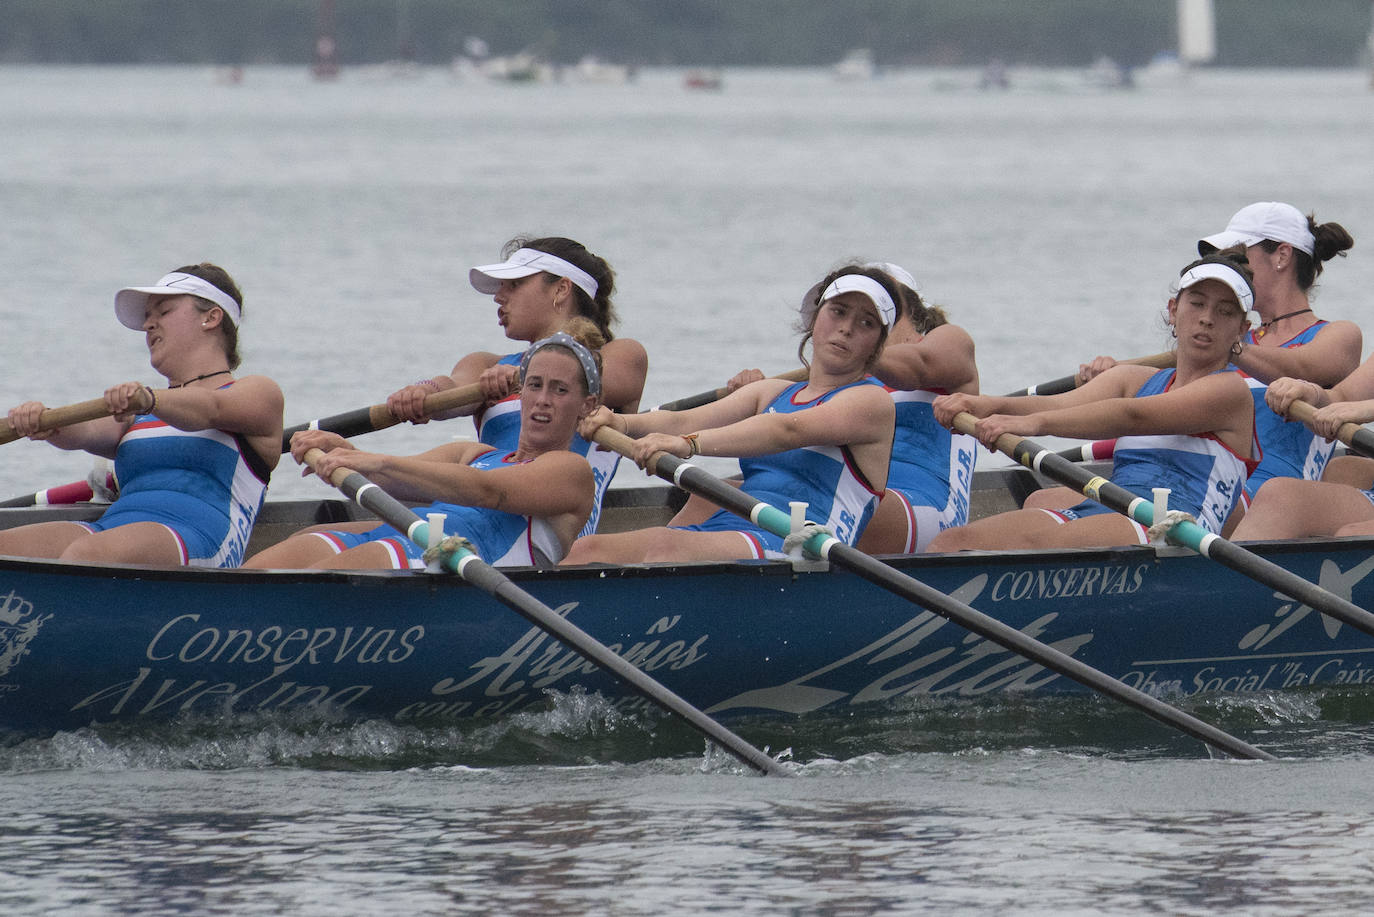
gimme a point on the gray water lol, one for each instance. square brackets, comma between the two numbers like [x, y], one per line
[1048, 220]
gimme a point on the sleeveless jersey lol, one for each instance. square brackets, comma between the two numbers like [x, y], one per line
[1290, 449]
[826, 477]
[1204, 475]
[499, 425]
[207, 486]
[501, 539]
[930, 465]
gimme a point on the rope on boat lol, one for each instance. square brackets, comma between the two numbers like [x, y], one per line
[1159, 532]
[450, 545]
[793, 544]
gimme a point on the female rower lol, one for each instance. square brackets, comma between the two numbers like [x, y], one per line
[1342, 502]
[1285, 251]
[826, 440]
[932, 469]
[1190, 429]
[540, 285]
[518, 507]
[192, 467]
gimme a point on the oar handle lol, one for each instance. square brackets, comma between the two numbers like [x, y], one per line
[1068, 383]
[377, 417]
[1356, 437]
[82, 411]
[715, 394]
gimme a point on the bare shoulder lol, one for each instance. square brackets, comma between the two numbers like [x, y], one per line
[257, 387]
[472, 365]
[627, 350]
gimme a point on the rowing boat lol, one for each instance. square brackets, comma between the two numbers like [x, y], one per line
[83, 644]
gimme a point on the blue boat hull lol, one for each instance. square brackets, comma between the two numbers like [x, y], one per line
[84, 644]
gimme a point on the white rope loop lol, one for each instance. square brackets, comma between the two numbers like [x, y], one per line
[1159, 532]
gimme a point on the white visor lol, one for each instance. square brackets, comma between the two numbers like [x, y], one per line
[486, 278]
[812, 299]
[131, 303]
[1227, 275]
[858, 283]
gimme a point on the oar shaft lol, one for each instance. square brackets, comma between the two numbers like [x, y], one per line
[496, 584]
[1357, 438]
[1189, 534]
[715, 394]
[82, 411]
[693, 479]
[377, 417]
[1069, 383]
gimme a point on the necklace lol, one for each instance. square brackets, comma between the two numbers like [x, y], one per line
[218, 372]
[1264, 326]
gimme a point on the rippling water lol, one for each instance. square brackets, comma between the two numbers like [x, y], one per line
[1048, 220]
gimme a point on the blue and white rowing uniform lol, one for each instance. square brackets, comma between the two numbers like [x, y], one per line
[1290, 449]
[499, 425]
[501, 539]
[1204, 476]
[205, 486]
[932, 469]
[837, 494]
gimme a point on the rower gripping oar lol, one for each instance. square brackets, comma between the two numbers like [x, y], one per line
[496, 584]
[715, 394]
[1069, 383]
[82, 411]
[824, 545]
[1357, 438]
[1189, 534]
[377, 417]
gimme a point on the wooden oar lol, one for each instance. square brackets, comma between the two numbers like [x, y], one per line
[715, 394]
[1356, 438]
[496, 584]
[82, 411]
[1189, 534]
[693, 479]
[377, 417]
[1069, 383]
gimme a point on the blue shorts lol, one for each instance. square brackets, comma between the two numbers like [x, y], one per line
[762, 542]
[1093, 508]
[200, 535]
[404, 553]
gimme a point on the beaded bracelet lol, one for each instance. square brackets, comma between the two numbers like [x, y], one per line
[433, 386]
[152, 400]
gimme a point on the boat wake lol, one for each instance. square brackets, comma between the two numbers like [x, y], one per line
[579, 729]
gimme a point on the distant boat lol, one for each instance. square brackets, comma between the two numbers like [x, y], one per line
[704, 80]
[1197, 32]
[1106, 73]
[1196, 24]
[858, 64]
[591, 69]
[326, 64]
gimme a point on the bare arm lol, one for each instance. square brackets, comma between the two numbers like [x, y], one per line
[942, 359]
[1219, 403]
[251, 407]
[625, 364]
[736, 406]
[552, 484]
[857, 416]
[1120, 381]
[1327, 359]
